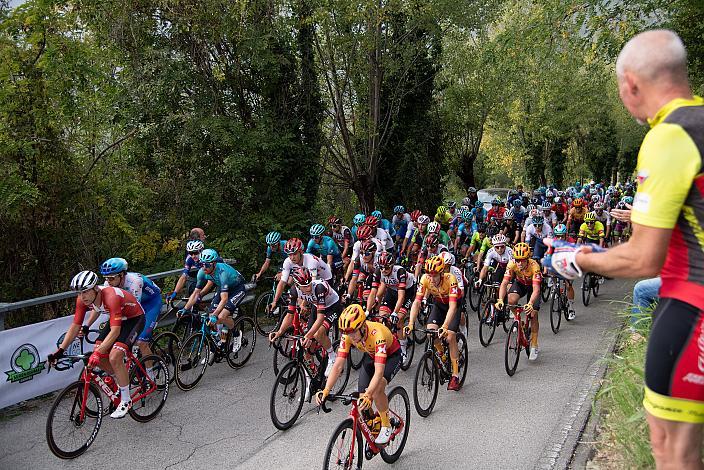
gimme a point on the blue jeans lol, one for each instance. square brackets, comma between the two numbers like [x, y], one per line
[645, 293]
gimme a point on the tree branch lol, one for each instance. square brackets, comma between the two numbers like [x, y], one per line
[109, 149]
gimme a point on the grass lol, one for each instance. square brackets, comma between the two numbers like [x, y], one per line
[623, 440]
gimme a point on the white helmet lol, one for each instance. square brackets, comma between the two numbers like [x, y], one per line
[499, 239]
[194, 246]
[434, 227]
[448, 257]
[84, 280]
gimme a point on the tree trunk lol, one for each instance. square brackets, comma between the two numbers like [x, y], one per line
[364, 190]
[466, 171]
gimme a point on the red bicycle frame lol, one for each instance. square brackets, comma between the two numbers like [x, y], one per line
[522, 340]
[358, 422]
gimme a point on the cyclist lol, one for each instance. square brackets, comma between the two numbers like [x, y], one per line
[560, 233]
[478, 243]
[560, 209]
[231, 291]
[410, 232]
[363, 271]
[323, 303]
[444, 317]
[400, 222]
[548, 214]
[190, 268]
[274, 250]
[418, 237]
[591, 231]
[365, 233]
[478, 212]
[575, 217]
[603, 217]
[462, 281]
[431, 247]
[324, 247]
[148, 294]
[525, 277]
[384, 223]
[498, 256]
[510, 228]
[116, 336]
[381, 234]
[434, 227]
[379, 366]
[443, 216]
[357, 222]
[496, 213]
[472, 195]
[519, 212]
[343, 237]
[464, 233]
[317, 267]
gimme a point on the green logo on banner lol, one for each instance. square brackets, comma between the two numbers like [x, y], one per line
[25, 364]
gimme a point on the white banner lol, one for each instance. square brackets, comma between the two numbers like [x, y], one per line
[23, 353]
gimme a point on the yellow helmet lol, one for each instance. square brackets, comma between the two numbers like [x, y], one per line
[442, 210]
[434, 265]
[351, 318]
[590, 217]
[521, 251]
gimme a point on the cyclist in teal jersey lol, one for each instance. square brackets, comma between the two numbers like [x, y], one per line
[274, 252]
[358, 221]
[324, 247]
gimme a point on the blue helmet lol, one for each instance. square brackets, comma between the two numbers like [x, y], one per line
[359, 219]
[561, 229]
[517, 203]
[113, 266]
[209, 255]
[399, 210]
[272, 238]
[377, 214]
[316, 230]
[478, 204]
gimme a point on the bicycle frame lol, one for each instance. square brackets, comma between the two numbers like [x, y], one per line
[517, 311]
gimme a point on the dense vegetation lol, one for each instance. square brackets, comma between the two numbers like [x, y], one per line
[124, 123]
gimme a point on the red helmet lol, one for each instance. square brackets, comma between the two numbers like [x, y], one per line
[334, 220]
[415, 214]
[432, 240]
[368, 245]
[365, 232]
[385, 260]
[301, 276]
[293, 245]
[371, 221]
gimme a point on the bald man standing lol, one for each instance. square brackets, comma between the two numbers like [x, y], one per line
[668, 239]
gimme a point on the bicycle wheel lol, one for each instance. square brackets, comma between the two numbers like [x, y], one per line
[421, 319]
[400, 416]
[343, 379]
[340, 452]
[185, 326]
[512, 351]
[192, 361]
[244, 326]
[287, 396]
[167, 345]
[545, 290]
[555, 311]
[475, 297]
[463, 359]
[266, 321]
[410, 351]
[586, 289]
[527, 334]
[425, 385]
[487, 325]
[596, 283]
[356, 357]
[67, 433]
[149, 392]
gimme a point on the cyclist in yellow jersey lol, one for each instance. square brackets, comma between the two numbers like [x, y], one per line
[379, 366]
[591, 231]
[667, 239]
[444, 289]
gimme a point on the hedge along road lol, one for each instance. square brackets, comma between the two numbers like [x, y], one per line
[495, 421]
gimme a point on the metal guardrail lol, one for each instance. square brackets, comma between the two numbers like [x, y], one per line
[5, 308]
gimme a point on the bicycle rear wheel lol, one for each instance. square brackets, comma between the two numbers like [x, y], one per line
[287, 396]
[586, 289]
[425, 385]
[400, 416]
[463, 359]
[475, 297]
[555, 311]
[410, 351]
[344, 450]
[545, 290]
[148, 392]
[167, 345]
[344, 378]
[487, 325]
[266, 321]
[67, 434]
[512, 351]
[244, 327]
[192, 361]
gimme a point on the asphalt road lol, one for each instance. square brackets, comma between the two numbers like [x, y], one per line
[495, 421]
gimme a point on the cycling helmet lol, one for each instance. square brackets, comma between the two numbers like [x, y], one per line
[620, 205]
[372, 221]
[359, 219]
[317, 230]
[560, 230]
[84, 280]
[434, 265]
[599, 206]
[590, 217]
[499, 240]
[546, 206]
[579, 202]
[351, 318]
[521, 251]
[434, 227]
[333, 220]
[466, 201]
[530, 208]
[538, 220]
[535, 201]
[595, 198]
[466, 214]
[448, 257]
[377, 214]
[113, 266]
[399, 209]
[481, 227]
[451, 204]
[463, 208]
[558, 199]
[442, 210]
[516, 203]
[496, 201]
[364, 232]
[384, 260]
[509, 215]
[550, 193]
[472, 190]
[301, 276]
[592, 191]
[432, 240]
[628, 200]
[368, 246]
[196, 246]
[292, 246]
[423, 220]
[415, 215]
[478, 204]
[209, 256]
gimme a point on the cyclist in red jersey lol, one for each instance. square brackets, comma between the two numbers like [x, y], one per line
[115, 337]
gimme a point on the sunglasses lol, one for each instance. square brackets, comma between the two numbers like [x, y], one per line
[369, 253]
[111, 278]
[208, 265]
[193, 253]
[334, 225]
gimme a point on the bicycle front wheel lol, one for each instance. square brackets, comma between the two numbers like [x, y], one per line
[586, 289]
[266, 321]
[344, 449]
[192, 361]
[555, 311]
[287, 396]
[167, 345]
[410, 351]
[512, 351]
[475, 297]
[462, 360]
[425, 385]
[487, 324]
[400, 416]
[244, 327]
[148, 392]
[67, 432]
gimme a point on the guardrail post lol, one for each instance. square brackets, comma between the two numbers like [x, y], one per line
[2, 317]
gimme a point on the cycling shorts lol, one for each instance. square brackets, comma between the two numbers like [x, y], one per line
[524, 291]
[674, 363]
[129, 329]
[438, 313]
[332, 313]
[234, 297]
[366, 372]
[391, 297]
[152, 309]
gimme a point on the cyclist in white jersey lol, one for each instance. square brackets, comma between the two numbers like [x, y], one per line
[317, 267]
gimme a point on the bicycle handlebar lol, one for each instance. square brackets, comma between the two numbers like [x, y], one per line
[346, 400]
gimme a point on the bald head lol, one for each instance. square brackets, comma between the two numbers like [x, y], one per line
[656, 57]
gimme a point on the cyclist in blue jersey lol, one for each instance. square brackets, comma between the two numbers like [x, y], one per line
[148, 294]
[357, 222]
[190, 269]
[399, 224]
[274, 251]
[230, 293]
[478, 212]
[324, 247]
[384, 223]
